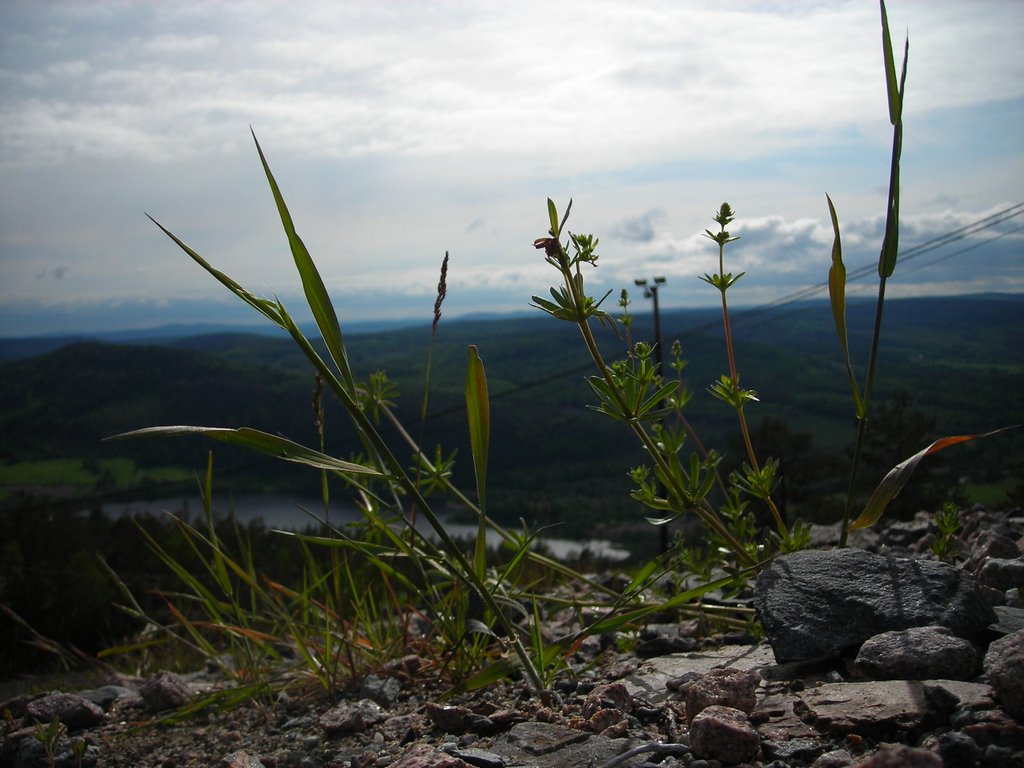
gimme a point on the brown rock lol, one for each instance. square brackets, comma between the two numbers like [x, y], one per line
[901, 756]
[426, 756]
[352, 717]
[605, 718]
[74, 711]
[723, 733]
[450, 719]
[610, 696]
[726, 687]
[240, 759]
[884, 709]
[165, 690]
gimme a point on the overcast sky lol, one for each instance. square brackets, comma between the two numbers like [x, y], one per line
[400, 130]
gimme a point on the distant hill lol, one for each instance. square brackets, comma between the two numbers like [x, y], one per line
[553, 460]
[17, 347]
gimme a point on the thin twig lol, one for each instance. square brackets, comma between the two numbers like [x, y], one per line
[663, 749]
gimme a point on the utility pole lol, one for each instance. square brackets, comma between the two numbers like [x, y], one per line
[651, 292]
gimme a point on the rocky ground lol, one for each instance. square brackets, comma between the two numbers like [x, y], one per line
[875, 656]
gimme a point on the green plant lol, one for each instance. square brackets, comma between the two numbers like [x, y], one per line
[947, 520]
[898, 476]
[50, 735]
[756, 480]
[330, 626]
[632, 391]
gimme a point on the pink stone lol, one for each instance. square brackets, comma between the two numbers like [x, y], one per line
[723, 733]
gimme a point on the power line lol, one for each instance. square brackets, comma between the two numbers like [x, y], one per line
[910, 254]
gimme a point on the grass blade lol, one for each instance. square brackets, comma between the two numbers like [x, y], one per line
[264, 442]
[891, 85]
[837, 297]
[312, 284]
[479, 417]
[894, 90]
[264, 306]
[898, 476]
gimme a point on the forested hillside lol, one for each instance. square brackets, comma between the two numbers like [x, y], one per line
[948, 366]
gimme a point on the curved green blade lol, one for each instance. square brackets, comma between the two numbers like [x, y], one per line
[264, 442]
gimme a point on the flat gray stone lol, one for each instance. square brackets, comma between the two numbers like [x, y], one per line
[1009, 619]
[917, 653]
[884, 709]
[817, 604]
[548, 745]
[650, 679]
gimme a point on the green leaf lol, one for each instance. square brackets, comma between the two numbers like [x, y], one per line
[565, 216]
[312, 285]
[890, 242]
[493, 673]
[892, 86]
[837, 297]
[265, 307]
[479, 416]
[891, 239]
[553, 218]
[898, 476]
[264, 442]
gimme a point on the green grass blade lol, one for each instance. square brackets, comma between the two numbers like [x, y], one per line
[837, 297]
[264, 442]
[892, 86]
[479, 417]
[894, 90]
[312, 284]
[898, 476]
[221, 573]
[264, 306]
[891, 240]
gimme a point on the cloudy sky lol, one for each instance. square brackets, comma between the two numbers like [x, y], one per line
[400, 130]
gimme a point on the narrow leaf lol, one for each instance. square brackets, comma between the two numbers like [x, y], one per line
[565, 216]
[891, 239]
[837, 297]
[479, 417]
[264, 306]
[891, 85]
[553, 218]
[898, 476]
[499, 670]
[264, 442]
[312, 284]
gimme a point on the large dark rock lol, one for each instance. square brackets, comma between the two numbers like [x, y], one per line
[816, 604]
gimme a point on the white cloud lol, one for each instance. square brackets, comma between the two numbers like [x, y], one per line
[401, 130]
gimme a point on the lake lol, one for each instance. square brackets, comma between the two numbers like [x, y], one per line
[287, 513]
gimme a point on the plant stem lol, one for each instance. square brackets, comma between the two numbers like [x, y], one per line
[734, 375]
[706, 514]
[862, 423]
